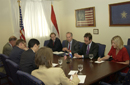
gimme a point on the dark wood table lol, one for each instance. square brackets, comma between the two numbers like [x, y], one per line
[94, 71]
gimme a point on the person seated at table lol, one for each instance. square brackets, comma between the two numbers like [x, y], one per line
[20, 47]
[9, 46]
[89, 47]
[118, 52]
[54, 43]
[27, 63]
[47, 73]
[71, 44]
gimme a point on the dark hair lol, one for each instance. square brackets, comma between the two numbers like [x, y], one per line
[88, 35]
[20, 41]
[32, 42]
[12, 38]
[52, 34]
[44, 56]
[70, 33]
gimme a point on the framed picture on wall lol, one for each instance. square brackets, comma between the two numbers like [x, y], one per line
[85, 17]
[95, 31]
[119, 14]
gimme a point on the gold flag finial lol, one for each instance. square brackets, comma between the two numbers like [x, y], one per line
[19, 2]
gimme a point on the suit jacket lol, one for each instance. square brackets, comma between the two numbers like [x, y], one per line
[74, 47]
[53, 76]
[57, 45]
[7, 49]
[15, 54]
[27, 63]
[93, 50]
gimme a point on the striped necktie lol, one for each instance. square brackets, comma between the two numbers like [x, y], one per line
[87, 52]
[69, 46]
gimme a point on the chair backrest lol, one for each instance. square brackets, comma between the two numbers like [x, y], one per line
[81, 44]
[46, 42]
[3, 58]
[27, 79]
[128, 42]
[127, 79]
[63, 43]
[128, 49]
[13, 67]
[101, 50]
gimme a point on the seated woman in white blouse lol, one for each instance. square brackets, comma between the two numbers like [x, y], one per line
[48, 74]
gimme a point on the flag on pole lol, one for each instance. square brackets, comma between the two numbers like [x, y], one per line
[22, 32]
[53, 19]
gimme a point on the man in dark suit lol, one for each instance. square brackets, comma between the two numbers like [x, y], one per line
[71, 44]
[89, 47]
[54, 43]
[20, 47]
[9, 46]
[27, 63]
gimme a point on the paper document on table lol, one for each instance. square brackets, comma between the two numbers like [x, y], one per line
[81, 78]
[67, 53]
[74, 57]
[54, 64]
[56, 52]
[99, 61]
[72, 72]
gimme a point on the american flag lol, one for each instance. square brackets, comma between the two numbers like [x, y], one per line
[22, 33]
[85, 17]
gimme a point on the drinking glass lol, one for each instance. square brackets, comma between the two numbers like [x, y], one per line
[80, 68]
[91, 57]
[60, 62]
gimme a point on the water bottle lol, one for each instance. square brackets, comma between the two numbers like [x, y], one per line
[70, 54]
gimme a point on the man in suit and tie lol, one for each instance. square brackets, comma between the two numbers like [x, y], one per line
[9, 46]
[71, 44]
[27, 63]
[54, 43]
[20, 47]
[89, 47]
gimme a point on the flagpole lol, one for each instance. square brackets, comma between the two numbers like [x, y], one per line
[19, 2]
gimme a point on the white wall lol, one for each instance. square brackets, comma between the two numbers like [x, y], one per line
[6, 28]
[66, 21]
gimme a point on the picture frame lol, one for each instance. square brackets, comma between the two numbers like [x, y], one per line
[95, 31]
[119, 14]
[85, 17]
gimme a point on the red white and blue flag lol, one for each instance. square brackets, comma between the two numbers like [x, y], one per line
[22, 32]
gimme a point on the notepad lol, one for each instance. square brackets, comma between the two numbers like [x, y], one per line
[81, 78]
[99, 61]
[54, 64]
[74, 57]
[56, 52]
[72, 72]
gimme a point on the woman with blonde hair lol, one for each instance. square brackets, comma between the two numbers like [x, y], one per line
[118, 52]
[48, 74]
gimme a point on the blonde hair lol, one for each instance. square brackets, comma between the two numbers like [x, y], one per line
[44, 56]
[118, 41]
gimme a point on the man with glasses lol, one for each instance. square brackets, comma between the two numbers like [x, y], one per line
[54, 43]
[20, 47]
[71, 44]
[89, 47]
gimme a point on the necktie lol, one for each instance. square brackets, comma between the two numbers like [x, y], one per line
[69, 47]
[53, 43]
[87, 52]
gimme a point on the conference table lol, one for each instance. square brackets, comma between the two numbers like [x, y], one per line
[94, 71]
